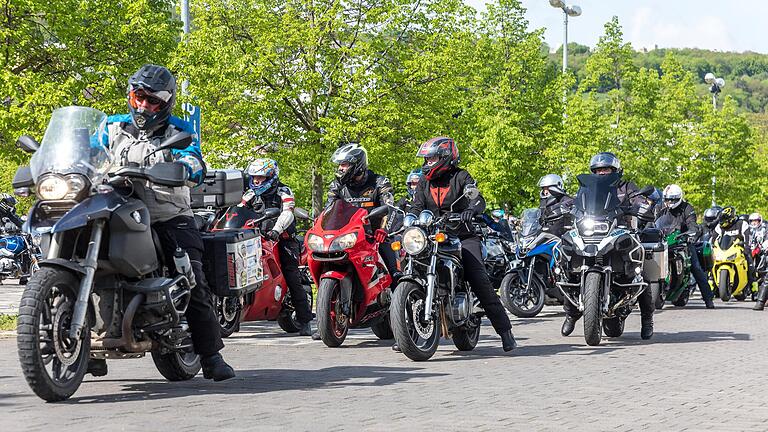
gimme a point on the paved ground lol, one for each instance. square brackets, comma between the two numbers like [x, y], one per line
[702, 371]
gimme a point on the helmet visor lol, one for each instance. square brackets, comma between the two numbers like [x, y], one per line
[142, 99]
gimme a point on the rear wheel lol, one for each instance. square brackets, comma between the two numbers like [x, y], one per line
[466, 337]
[613, 327]
[658, 295]
[520, 300]
[418, 336]
[383, 330]
[287, 319]
[593, 313]
[723, 287]
[682, 300]
[176, 366]
[228, 311]
[332, 322]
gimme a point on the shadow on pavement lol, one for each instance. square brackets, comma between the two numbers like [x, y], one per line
[260, 381]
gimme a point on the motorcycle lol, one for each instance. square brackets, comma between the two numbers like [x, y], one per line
[730, 268]
[353, 284]
[498, 256]
[525, 288]
[19, 254]
[605, 259]
[272, 300]
[760, 258]
[679, 284]
[104, 289]
[432, 297]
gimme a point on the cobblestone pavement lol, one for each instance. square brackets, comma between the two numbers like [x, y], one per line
[701, 371]
[10, 295]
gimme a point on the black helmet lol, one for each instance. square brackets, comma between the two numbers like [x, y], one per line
[354, 155]
[727, 217]
[8, 201]
[605, 160]
[157, 86]
[712, 216]
[443, 147]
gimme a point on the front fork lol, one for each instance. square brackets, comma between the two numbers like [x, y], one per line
[86, 284]
[431, 283]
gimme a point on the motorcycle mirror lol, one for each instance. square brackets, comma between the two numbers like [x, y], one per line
[378, 211]
[471, 191]
[179, 141]
[272, 213]
[27, 143]
[646, 191]
[301, 213]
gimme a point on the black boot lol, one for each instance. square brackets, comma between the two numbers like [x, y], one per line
[709, 303]
[97, 367]
[215, 368]
[568, 325]
[306, 329]
[508, 342]
[646, 328]
[316, 335]
[762, 296]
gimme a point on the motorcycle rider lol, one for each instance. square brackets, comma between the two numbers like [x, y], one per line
[685, 217]
[554, 205]
[131, 138]
[728, 223]
[606, 163]
[757, 230]
[361, 187]
[497, 222]
[265, 191]
[711, 219]
[444, 182]
[8, 210]
[411, 181]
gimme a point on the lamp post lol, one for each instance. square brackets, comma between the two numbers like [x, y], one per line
[568, 11]
[715, 87]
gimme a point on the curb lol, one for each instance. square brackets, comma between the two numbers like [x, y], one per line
[10, 334]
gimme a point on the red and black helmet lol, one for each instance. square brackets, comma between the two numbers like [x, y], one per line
[444, 148]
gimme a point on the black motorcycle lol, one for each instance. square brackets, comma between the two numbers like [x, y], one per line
[498, 256]
[432, 297]
[104, 290]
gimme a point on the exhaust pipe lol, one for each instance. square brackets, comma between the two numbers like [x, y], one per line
[127, 342]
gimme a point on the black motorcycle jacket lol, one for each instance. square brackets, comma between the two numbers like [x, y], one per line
[738, 229]
[373, 191]
[278, 196]
[684, 216]
[556, 213]
[438, 194]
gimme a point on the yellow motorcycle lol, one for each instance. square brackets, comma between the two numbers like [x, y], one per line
[730, 268]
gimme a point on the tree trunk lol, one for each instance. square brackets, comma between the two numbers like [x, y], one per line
[318, 197]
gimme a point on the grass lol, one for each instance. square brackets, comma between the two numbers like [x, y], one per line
[7, 322]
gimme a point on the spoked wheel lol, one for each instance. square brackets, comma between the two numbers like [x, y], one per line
[332, 321]
[466, 337]
[53, 363]
[521, 300]
[418, 336]
[287, 319]
[228, 311]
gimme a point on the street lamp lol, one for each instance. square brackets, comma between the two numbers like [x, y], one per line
[568, 10]
[715, 87]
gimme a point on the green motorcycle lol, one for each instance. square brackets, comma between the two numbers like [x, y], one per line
[679, 283]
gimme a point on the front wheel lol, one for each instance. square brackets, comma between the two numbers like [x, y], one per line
[520, 300]
[722, 285]
[176, 366]
[613, 327]
[682, 299]
[52, 363]
[466, 337]
[593, 312]
[418, 336]
[332, 322]
[287, 319]
[383, 330]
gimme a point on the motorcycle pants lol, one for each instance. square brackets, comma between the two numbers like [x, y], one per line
[699, 274]
[477, 276]
[182, 232]
[289, 250]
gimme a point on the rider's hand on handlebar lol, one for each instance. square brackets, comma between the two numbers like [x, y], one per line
[380, 235]
[467, 216]
[273, 235]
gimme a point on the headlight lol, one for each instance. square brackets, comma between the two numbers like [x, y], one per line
[590, 227]
[414, 241]
[731, 257]
[343, 242]
[315, 243]
[55, 187]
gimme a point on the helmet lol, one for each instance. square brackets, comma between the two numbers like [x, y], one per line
[498, 213]
[156, 85]
[8, 201]
[727, 217]
[266, 168]
[355, 156]
[553, 183]
[605, 160]
[712, 216]
[755, 219]
[443, 147]
[413, 177]
[655, 196]
[673, 196]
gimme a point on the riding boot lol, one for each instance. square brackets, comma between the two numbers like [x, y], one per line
[215, 368]
[508, 342]
[762, 297]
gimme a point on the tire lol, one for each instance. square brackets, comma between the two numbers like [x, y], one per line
[466, 337]
[418, 339]
[176, 366]
[383, 330]
[229, 320]
[332, 330]
[593, 314]
[287, 318]
[519, 301]
[613, 327]
[49, 300]
[682, 300]
[722, 286]
[658, 295]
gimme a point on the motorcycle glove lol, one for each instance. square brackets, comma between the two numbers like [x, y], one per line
[467, 216]
[380, 235]
[273, 235]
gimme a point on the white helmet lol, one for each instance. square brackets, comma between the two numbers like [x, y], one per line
[673, 196]
[757, 218]
[553, 182]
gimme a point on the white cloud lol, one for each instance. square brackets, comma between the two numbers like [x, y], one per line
[648, 30]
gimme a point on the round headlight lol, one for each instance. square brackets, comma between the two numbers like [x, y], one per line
[343, 242]
[414, 241]
[76, 184]
[52, 188]
[315, 243]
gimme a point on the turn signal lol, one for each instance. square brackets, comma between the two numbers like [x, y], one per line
[396, 246]
[440, 237]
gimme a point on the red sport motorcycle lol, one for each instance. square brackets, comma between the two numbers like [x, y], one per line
[352, 280]
[272, 300]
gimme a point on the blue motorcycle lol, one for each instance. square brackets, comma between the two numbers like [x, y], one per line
[18, 259]
[525, 288]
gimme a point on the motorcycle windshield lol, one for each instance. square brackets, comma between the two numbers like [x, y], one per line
[236, 218]
[598, 195]
[71, 145]
[338, 215]
[529, 222]
[726, 242]
[667, 224]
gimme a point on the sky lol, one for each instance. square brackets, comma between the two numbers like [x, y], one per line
[723, 25]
